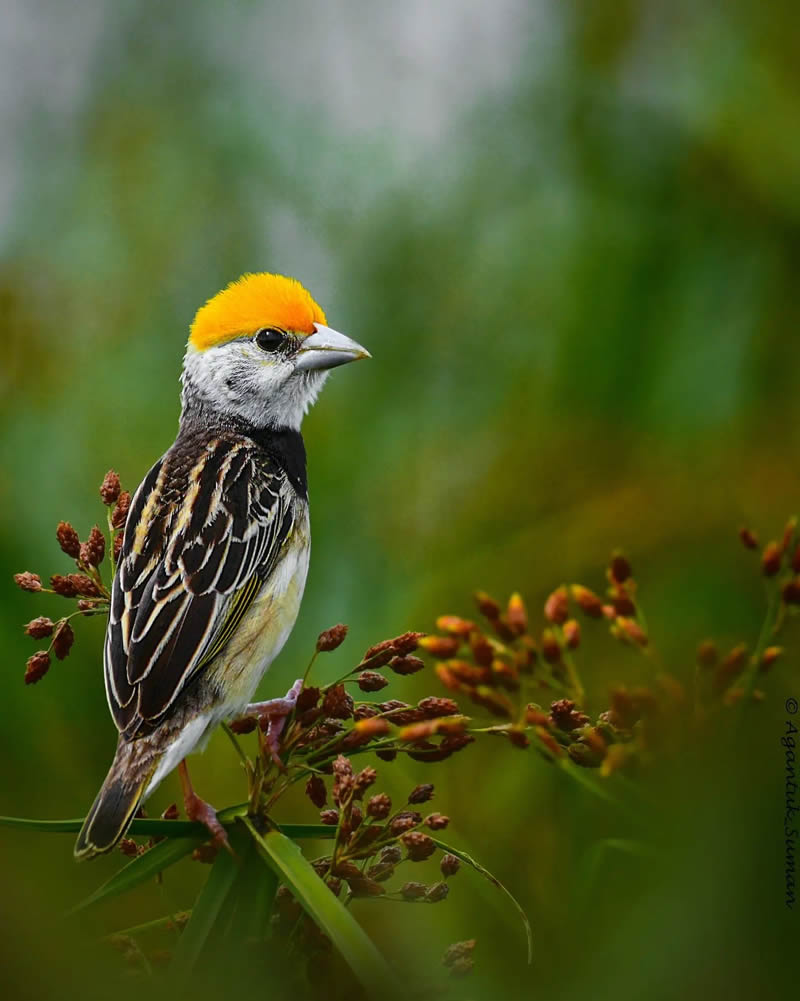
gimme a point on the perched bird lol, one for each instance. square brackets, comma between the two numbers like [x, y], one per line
[215, 551]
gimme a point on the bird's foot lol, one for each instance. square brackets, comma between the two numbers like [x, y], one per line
[272, 716]
[201, 812]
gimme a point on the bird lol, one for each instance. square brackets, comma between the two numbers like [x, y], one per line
[215, 549]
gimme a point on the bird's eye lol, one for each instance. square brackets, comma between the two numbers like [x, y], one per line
[269, 339]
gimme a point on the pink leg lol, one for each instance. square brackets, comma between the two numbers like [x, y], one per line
[274, 714]
[197, 809]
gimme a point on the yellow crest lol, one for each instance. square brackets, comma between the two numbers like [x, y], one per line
[253, 302]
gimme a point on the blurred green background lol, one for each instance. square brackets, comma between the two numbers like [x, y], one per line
[569, 233]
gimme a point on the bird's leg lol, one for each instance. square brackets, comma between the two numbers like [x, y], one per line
[274, 713]
[197, 809]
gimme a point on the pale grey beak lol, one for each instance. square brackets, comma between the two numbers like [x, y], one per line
[327, 348]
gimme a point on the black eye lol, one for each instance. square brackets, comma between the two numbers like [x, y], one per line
[269, 339]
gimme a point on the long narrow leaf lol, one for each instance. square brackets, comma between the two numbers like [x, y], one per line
[208, 916]
[143, 867]
[285, 858]
[470, 861]
[147, 827]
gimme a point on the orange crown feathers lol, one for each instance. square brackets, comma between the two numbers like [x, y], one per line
[253, 302]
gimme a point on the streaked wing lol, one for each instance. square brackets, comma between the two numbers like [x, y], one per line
[202, 534]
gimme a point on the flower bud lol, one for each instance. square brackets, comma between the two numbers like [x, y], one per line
[28, 581]
[770, 655]
[37, 667]
[437, 892]
[587, 601]
[418, 845]
[791, 591]
[556, 608]
[331, 638]
[436, 821]
[449, 865]
[39, 628]
[707, 655]
[629, 629]
[421, 794]
[316, 791]
[551, 651]
[63, 639]
[441, 647]
[329, 817]
[482, 649]
[365, 778]
[109, 488]
[748, 539]
[404, 821]
[118, 540]
[517, 614]
[771, 559]
[68, 539]
[413, 891]
[620, 569]
[454, 625]
[120, 513]
[572, 634]
[379, 807]
[337, 703]
[371, 726]
[94, 549]
[487, 605]
[64, 586]
[371, 681]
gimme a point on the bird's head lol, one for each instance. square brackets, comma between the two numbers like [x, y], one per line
[260, 350]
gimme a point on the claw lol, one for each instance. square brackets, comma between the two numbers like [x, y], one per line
[274, 714]
[198, 810]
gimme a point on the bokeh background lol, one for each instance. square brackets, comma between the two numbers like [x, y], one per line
[570, 235]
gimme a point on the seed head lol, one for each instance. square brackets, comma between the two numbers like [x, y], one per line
[331, 638]
[487, 605]
[437, 892]
[458, 952]
[517, 614]
[454, 625]
[432, 706]
[39, 628]
[365, 778]
[109, 488]
[120, 513]
[421, 794]
[381, 871]
[316, 791]
[128, 847]
[118, 540]
[63, 639]
[436, 821]
[371, 726]
[391, 854]
[441, 647]
[28, 581]
[37, 667]
[379, 807]
[329, 817]
[556, 608]
[566, 716]
[371, 681]
[572, 634]
[551, 651]
[771, 559]
[587, 601]
[68, 539]
[404, 821]
[707, 655]
[449, 865]
[418, 845]
[620, 569]
[337, 703]
[629, 629]
[749, 539]
[791, 591]
[413, 891]
[482, 649]
[94, 549]
[406, 665]
[770, 655]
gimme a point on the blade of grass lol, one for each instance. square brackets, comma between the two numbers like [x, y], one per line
[470, 861]
[286, 860]
[143, 867]
[147, 827]
[208, 913]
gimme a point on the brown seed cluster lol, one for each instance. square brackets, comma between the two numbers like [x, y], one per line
[86, 586]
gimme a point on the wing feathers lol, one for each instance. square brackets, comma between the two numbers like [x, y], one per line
[201, 537]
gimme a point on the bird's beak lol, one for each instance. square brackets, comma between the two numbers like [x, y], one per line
[327, 348]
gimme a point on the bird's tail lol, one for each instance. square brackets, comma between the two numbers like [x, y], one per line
[118, 799]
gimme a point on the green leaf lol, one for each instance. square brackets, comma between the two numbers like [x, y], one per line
[168, 828]
[143, 867]
[210, 913]
[470, 861]
[286, 860]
